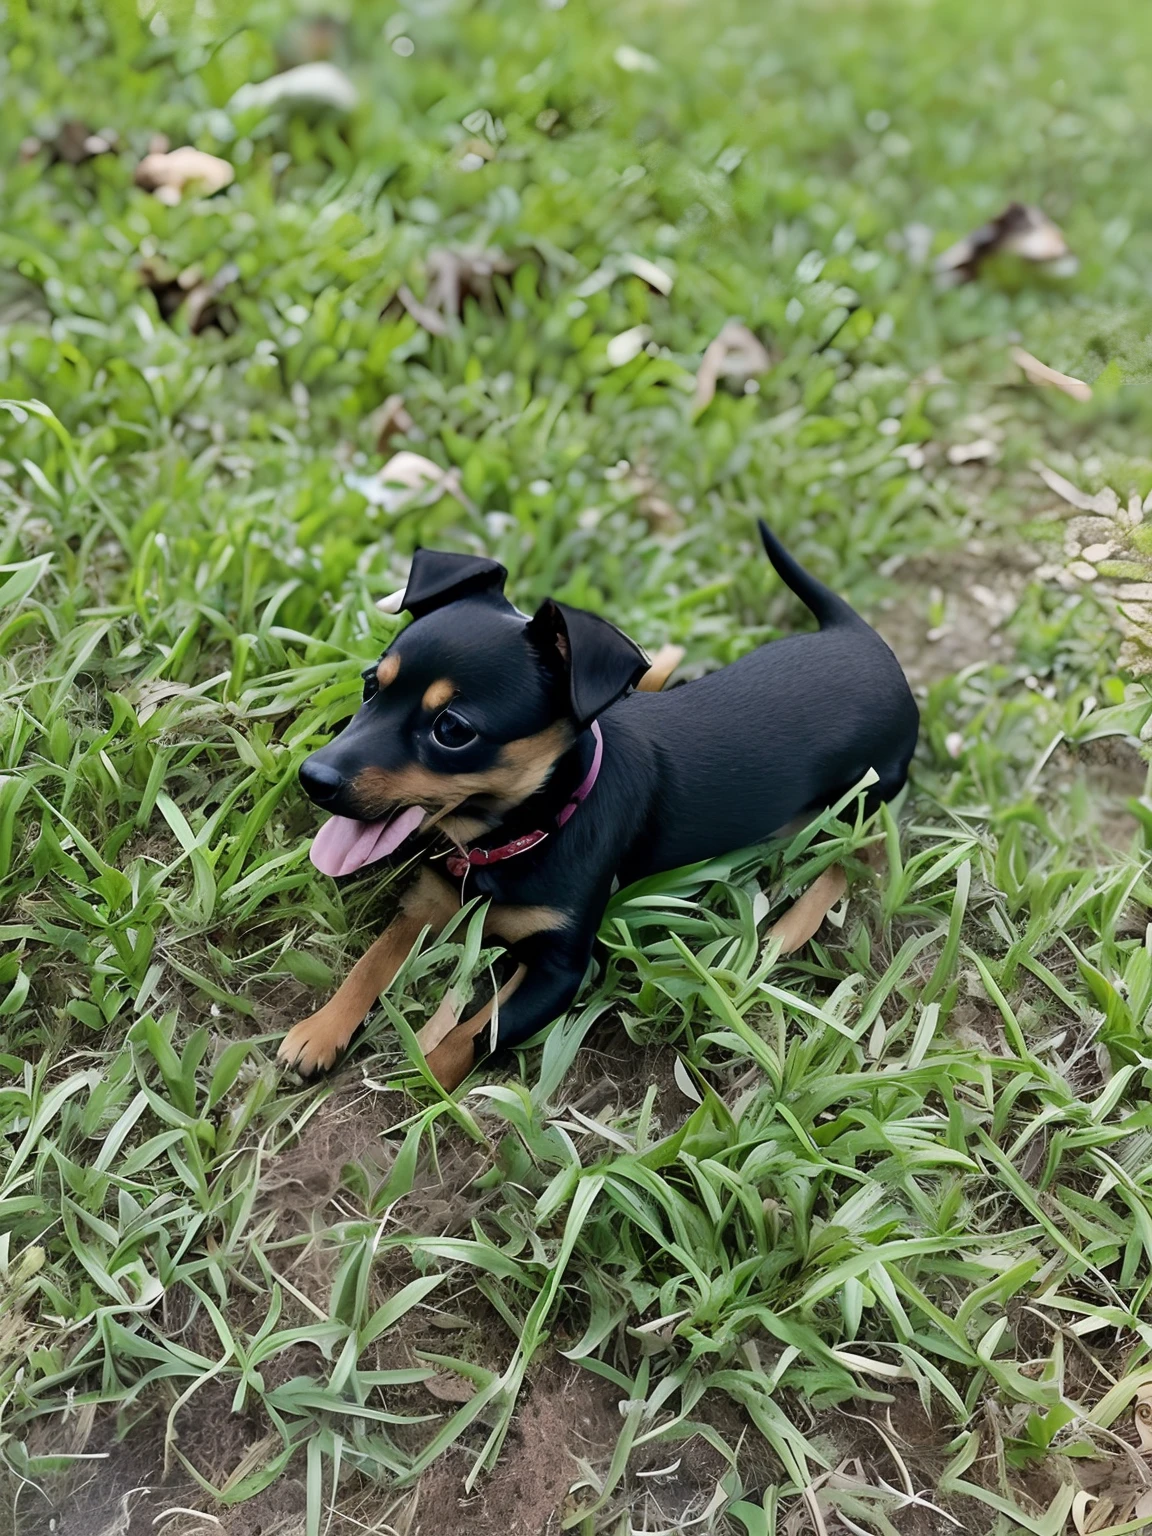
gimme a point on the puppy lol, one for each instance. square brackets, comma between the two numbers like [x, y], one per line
[521, 742]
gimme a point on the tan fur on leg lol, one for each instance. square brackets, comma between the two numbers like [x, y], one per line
[314, 1043]
[452, 1058]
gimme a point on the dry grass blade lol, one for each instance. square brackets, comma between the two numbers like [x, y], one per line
[442, 1022]
[423, 314]
[806, 914]
[736, 353]
[454, 276]
[1037, 372]
[389, 421]
[664, 663]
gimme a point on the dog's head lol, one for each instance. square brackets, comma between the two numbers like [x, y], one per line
[465, 714]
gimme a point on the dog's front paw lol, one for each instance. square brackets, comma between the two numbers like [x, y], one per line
[310, 1046]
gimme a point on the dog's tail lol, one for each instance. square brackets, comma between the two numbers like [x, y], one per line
[828, 609]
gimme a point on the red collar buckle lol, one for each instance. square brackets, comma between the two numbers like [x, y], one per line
[458, 864]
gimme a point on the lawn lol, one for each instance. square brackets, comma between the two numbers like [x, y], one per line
[853, 1240]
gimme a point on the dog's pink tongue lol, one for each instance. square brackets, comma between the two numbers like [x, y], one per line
[343, 845]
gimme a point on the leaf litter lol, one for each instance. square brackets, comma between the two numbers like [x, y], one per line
[1020, 230]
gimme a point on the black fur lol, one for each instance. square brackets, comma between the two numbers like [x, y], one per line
[700, 770]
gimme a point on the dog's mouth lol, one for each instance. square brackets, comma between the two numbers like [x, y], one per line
[343, 845]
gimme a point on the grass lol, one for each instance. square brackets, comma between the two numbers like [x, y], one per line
[859, 1240]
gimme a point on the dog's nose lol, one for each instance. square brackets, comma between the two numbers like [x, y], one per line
[320, 782]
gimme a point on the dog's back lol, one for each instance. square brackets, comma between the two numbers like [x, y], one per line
[785, 730]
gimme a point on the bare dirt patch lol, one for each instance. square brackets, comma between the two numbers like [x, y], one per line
[954, 608]
[1113, 771]
[567, 1415]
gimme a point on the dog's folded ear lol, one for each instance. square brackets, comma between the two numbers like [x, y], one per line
[437, 578]
[597, 661]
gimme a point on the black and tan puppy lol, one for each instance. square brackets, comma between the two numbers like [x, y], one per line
[519, 741]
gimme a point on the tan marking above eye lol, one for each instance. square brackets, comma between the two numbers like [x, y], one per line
[387, 670]
[437, 694]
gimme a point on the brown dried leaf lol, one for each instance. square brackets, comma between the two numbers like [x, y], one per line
[204, 297]
[1021, 230]
[204, 306]
[168, 176]
[389, 421]
[454, 276]
[805, 915]
[967, 453]
[652, 505]
[1082, 1506]
[664, 663]
[450, 1389]
[736, 353]
[442, 1022]
[73, 143]
[1037, 372]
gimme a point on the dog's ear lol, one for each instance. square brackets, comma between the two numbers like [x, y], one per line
[596, 661]
[437, 578]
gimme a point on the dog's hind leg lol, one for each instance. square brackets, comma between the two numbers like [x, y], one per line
[314, 1043]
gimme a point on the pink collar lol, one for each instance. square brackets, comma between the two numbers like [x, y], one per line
[458, 864]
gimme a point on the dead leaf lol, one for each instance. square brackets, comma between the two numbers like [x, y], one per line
[966, 453]
[1065, 489]
[316, 87]
[425, 317]
[73, 143]
[647, 271]
[805, 915]
[442, 1022]
[203, 296]
[1037, 372]
[651, 503]
[389, 421]
[629, 264]
[169, 175]
[450, 1389]
[393, 603]
[1081, 1510]
[205, 306]
[404, 478]
[736, 353]
[1122, 1495]
[453, 277]
[627, 345]
[664, 663]
[1021, 230]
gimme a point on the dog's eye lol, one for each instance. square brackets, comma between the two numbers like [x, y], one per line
[371, 683]
[452, 730]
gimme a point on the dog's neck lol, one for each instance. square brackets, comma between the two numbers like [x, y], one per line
[538, 811]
